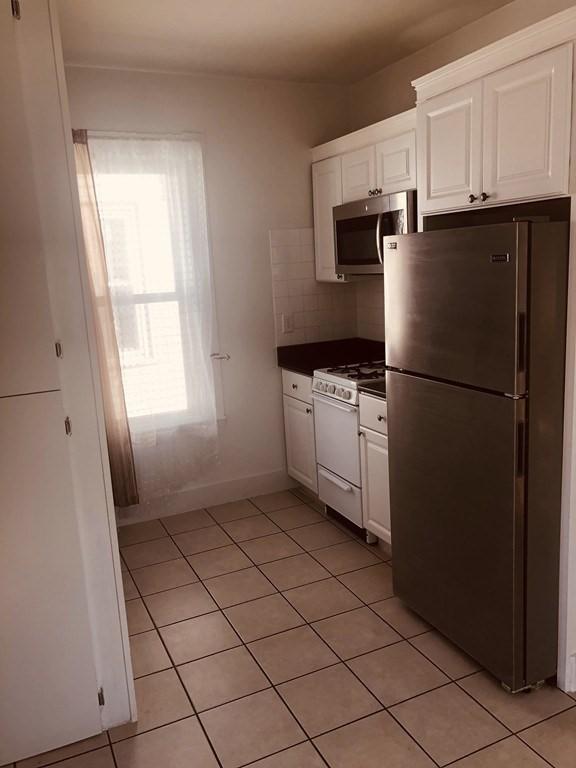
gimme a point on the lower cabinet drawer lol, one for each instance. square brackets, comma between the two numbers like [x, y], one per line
[340, 495]
[374, 413]
[296, 385]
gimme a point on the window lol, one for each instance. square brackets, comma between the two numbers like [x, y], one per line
[153, 215]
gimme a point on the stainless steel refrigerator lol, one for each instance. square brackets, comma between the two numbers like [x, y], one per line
[475, 347]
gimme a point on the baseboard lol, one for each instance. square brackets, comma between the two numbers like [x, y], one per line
[206, 496]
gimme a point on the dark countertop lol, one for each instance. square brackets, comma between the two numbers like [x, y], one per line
[305, 358]
[376, 388]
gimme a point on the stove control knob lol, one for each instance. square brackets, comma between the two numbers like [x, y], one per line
[321, 386]
[331, 389]
[347, 394]
[339, 392]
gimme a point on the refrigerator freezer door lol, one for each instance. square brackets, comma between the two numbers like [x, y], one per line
[456, 492]
[456, 305]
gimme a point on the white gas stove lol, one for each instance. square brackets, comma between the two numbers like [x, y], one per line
[342, 382]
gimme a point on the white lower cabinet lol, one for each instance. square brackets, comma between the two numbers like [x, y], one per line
[375, 483]
[300, 442]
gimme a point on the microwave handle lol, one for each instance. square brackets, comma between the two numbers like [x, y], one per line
[379, 238]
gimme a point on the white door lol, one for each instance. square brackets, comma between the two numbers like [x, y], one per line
[47, 677]
[396, 163]
[327, 192]
[300, 442]
[375, 483]
[449, 129]
[27, 360]
[358, 174]
[527, 110]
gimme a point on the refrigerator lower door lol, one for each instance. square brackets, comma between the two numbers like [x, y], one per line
[457, 505]
[456, 303]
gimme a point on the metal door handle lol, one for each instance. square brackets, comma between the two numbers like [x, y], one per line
[335, 481]
[472, 198]
[308, 410]
[380, 417]
[484, 197]
[220, 356]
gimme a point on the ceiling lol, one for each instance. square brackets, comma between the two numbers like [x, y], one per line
[332, 41]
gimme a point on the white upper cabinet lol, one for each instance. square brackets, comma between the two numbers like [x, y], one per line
[358, 174]
[449, 130]
[27, 360]
[500, 138]
[527, 127]
[396, 163]
[327, 186]
[378, 159]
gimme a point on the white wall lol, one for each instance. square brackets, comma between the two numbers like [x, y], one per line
[317, 311]
[389, 91]
[257, 138]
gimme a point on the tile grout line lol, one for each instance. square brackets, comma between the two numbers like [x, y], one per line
[306, 623]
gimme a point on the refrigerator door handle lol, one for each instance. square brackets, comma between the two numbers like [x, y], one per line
[379, 238]
[520, 448]
[522, 341]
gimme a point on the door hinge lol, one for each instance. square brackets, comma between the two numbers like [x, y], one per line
[68, 425]
[59, 350]
[16, 9]
[101, 697]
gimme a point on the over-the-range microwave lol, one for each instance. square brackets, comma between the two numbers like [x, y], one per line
[360, 226]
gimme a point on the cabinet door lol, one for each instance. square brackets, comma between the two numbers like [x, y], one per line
[27, 361]
[449, 150]
[300, 442]
[358, 174]
[527, 127]
[396, 163]
[327, 188]
[47, 676]
[375, 483]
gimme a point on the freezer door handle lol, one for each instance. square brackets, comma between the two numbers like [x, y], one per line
[335, 481]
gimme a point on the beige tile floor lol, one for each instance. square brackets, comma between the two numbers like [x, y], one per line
[263, 634]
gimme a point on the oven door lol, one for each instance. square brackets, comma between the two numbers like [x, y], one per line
[337, 441]
[359, 228]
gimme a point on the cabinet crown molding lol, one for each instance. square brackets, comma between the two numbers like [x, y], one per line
[548, 33]
[364, 137]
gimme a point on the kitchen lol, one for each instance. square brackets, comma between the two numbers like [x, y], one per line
[354, 421]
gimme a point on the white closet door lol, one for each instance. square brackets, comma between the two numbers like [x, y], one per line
[527, 127]
[449, 129]
[27, 359]
[49, 692]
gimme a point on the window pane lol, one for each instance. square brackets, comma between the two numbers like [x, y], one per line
[152, 359]
[136, 230]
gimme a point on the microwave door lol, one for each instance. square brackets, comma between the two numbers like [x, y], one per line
[358, 244]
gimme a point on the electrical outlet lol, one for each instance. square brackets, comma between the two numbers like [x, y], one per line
[287, 323]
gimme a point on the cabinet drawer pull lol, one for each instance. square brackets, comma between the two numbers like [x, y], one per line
[484, 197]
[294, 386]
[308, 410]
[472, 198]
[380, 417]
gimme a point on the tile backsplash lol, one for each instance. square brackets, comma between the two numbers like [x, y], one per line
[306, 310]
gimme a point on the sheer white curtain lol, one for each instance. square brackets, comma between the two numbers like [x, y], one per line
[152, 208]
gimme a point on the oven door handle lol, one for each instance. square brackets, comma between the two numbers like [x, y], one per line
[336, 481]
[379, 238]
[334, 403]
